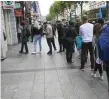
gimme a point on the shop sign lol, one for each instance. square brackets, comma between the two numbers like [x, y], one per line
[18, 12]
[17, 5]
[8, 4]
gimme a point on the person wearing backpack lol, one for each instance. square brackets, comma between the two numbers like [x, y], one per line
[103, 48]
[24, 38]
[98, 62]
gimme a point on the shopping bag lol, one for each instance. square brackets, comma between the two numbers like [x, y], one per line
[79, 42]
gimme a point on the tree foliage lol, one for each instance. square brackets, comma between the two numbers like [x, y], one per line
[57, 7]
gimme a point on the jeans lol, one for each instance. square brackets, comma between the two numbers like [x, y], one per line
[87, 47]
[49, 42]
[69, 51]
[37, 38]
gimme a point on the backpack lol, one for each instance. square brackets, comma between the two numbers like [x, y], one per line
[103, 44]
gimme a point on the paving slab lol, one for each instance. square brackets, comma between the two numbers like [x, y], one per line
[48, 77]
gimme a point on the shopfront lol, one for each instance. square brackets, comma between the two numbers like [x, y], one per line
[8, 29]
[9, 22]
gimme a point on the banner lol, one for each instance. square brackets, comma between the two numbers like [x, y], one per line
[8, 4]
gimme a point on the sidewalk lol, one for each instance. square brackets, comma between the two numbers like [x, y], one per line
[48, 77]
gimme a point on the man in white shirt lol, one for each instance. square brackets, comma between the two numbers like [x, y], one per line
[86, 32]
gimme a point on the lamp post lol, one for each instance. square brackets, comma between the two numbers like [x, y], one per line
[75, 11]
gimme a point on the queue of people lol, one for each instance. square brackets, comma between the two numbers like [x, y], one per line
[88, 37]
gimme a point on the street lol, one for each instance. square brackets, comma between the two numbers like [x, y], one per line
[42, 76]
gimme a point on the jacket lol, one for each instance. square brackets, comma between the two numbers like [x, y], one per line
[70, 33]
[25, 33]
[77, 26]
[49, 31]
[37, 31]
[103, 44]
[61, 31]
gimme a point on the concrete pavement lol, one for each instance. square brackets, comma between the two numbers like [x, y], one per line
[48, 77]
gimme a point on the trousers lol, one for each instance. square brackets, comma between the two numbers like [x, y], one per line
[69, 51]
[87, 47]
[49, 42]
[37, 38]
[26, 46]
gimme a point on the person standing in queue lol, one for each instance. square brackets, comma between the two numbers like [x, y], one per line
[54, 35]
[24, 38]
[98, 63]
[37, 36]
[86, 32]
[70, 36]
[49, 36]
[60, 29]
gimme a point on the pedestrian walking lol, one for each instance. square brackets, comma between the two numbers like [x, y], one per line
[24, 36]
[60, 29]
[86, 32]
[37, 32]
[70, 36]
[49, 36]
[19, 33]
[98, 63]
[103, 48]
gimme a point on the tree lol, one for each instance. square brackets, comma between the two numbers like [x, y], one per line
[84, 12]
[81, 4]
[49, 17]
[58, 8]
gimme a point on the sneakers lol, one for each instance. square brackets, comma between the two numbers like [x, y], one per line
[101, 78]
[70, 62]
[49, 53]
[34, 52]
[94, 75]
[92, 69]
[82, 69]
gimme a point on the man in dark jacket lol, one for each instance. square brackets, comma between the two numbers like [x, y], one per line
[77, 25]
[24, 38]
[70, 36]
[61, 31]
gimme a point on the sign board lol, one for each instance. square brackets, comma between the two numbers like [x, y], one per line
[8, 4]
[18, 12]
[17, 5]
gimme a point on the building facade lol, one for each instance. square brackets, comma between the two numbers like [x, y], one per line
[96, 4]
